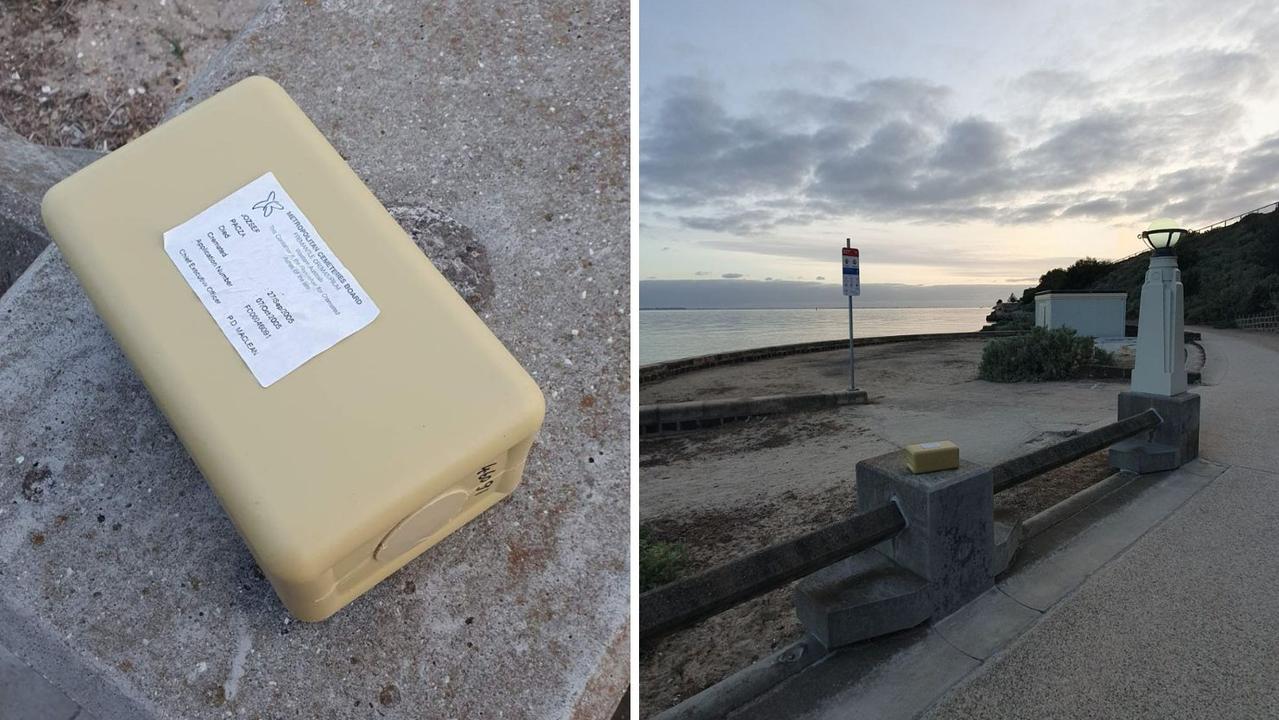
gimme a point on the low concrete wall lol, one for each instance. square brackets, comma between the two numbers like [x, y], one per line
[1114, 372]
[1130, 330]
[670, 368]
[695, 414]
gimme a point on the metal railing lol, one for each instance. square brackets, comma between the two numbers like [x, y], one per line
[684, 602]
[1268, 322]
[1272, 207]
[1222, 223]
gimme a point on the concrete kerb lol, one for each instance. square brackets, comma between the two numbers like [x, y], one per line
[746, 684]
[660, 418]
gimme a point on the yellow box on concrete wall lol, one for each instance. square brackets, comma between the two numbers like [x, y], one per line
[347, 407]
[932, 456]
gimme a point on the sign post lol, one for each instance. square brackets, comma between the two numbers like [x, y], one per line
[852, 286]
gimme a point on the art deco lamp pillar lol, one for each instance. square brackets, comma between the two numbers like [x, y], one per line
[1159, 375]
[1161, 360]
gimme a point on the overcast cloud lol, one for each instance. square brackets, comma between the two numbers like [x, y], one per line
[746, 163]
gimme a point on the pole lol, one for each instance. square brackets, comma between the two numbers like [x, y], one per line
[852, 384]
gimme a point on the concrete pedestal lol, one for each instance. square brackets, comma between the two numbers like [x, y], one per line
[1160, 367]
[940, 561]
[1172, 444]
[949, 531]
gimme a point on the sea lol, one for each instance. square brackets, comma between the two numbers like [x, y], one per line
[673, 334]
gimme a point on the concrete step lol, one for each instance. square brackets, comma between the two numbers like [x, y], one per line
[861, 597]
[1008, 539]
[1137, 455]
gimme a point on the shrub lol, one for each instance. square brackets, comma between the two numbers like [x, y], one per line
[1039, 355]
[660, 562]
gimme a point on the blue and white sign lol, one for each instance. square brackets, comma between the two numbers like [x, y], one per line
[852, 272]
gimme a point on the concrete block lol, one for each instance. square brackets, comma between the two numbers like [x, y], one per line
[26, 171]
[949, 535]
[861, 597]
[1172, 444]
[113, 545]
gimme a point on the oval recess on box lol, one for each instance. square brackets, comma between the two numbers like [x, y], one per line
[421, 525]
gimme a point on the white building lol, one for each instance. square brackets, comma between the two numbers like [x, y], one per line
[1099, 314]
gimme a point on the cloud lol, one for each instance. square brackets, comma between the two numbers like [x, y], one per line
[732, 276]
[1163, 134]
[702, 273]
[1102, 207]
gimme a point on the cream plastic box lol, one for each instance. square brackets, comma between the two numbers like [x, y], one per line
[932, 456]
[391, 436]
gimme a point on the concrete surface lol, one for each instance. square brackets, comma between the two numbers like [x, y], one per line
[25, 695]
[26, 171]
[989, 622]
[1183, 623]
[880, 680]
[1157, 599]
[900, 676]
[919, 391]
[1053, 564]
[121, 579]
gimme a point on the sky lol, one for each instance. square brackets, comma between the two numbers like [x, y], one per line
[954, 142]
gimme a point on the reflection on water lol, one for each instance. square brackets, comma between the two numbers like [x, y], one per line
[671, 334]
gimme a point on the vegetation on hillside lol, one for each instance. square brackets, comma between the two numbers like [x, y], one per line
[1040, 355]
[1227, 273]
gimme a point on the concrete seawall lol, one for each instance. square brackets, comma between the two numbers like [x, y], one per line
[695, 414]
[671, 368]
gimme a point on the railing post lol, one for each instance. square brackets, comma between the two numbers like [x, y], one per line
[941, 560]
[1171, 444]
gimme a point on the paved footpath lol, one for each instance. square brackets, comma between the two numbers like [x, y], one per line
[1186, 622]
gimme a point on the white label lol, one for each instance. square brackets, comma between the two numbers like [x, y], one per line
[931, 445]
[268, 279]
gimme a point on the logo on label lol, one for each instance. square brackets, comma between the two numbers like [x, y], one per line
[269, 205]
